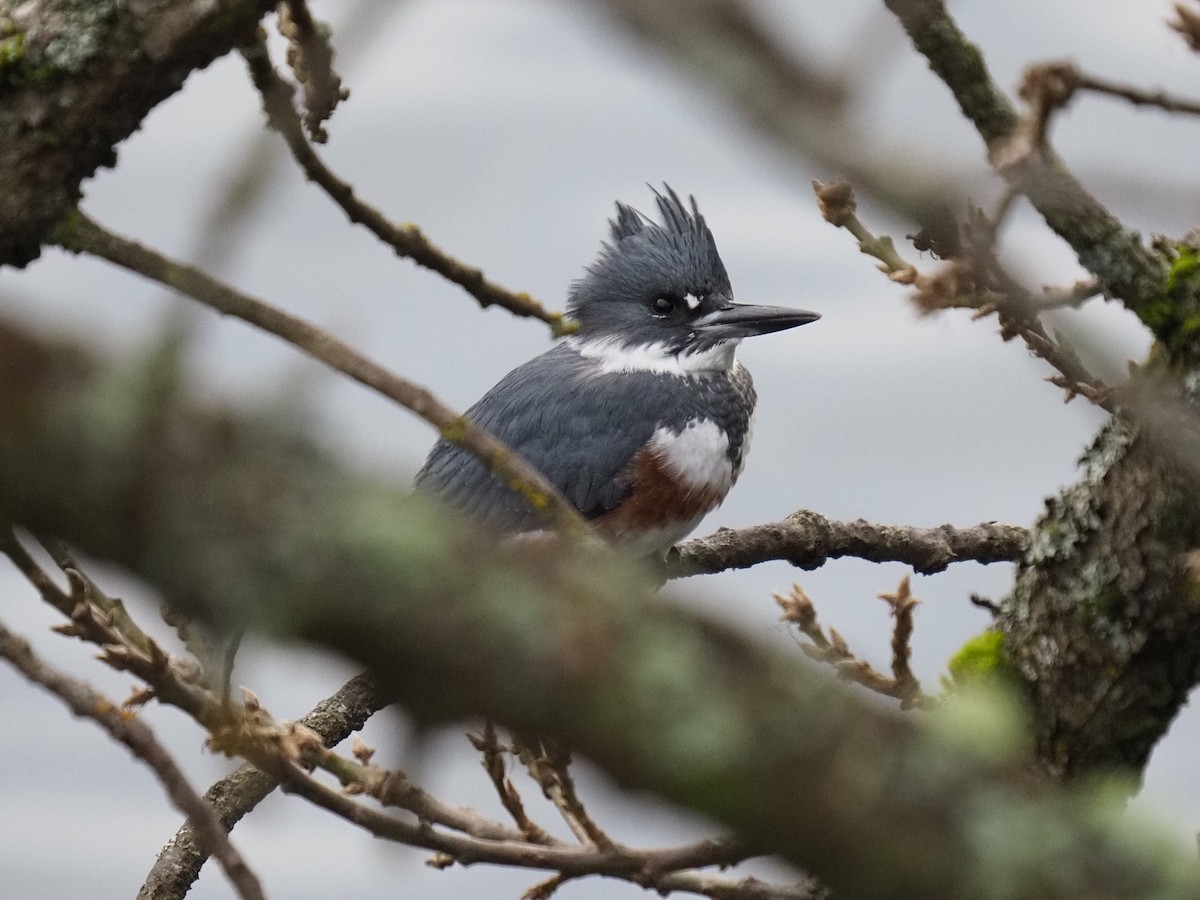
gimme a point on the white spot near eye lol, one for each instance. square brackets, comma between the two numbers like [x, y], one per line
[692, 301]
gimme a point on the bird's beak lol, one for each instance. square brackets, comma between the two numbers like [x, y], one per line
[739, 320]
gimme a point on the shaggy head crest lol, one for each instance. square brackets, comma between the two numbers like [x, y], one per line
[645, 259]
[677, 219]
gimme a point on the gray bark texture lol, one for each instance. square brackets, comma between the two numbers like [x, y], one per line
[1102, 622]
[76, 78]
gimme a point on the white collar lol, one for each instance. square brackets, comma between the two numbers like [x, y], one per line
[614, 355]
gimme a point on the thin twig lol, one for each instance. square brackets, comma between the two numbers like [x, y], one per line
[903, 604]
[79, 234]
[974, 279]
[407, 240]
[549, 765]
[1187, 23]
[310, 55]
[180, 860]
[84, 701]
[488, 744]
[645, 867]
[1055, 84]
[833, 650]
[125, 646]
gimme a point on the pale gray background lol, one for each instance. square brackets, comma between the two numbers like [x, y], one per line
[506, 130]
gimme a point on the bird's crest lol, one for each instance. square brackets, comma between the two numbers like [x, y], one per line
[644, 259]
[677, 220]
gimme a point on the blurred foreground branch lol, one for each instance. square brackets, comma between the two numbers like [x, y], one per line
[252, 526]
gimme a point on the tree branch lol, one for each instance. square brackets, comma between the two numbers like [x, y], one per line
[84, 701]
[78, 78]
[180, 860]
[407, 240]
[1125, 268]
[1102, 623]
[79, 234]
[808, 540]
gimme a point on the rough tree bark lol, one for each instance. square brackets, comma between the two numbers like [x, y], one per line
[76, 78]
[1103, 620]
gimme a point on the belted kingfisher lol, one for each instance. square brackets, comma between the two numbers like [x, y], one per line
[642, 418]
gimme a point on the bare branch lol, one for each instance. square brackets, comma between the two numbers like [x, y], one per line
[1187, 23]
[407, 240]
[493, 763]
[664, 870]
[1054, 84]
[808, 540]
[549, 765]
[79, 234]
[903, 604]
[1124, 267]
[179, 862]
[974, 279]
[84, 701]
[833, 650]
[310, 56]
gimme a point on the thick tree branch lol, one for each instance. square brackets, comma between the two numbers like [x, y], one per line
[808, 540]
[78, 78]
[215, 510]
[1102, 623]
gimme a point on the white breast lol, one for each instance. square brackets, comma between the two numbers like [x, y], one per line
[698, 455]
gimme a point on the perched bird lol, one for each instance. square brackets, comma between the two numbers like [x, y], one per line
[642, 418]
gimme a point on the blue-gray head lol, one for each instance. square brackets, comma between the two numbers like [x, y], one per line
[664, 287]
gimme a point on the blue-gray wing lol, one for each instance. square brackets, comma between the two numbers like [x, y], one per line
[580, 429]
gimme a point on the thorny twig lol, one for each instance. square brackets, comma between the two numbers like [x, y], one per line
[407, 240]
[798, 609]
[974, 279]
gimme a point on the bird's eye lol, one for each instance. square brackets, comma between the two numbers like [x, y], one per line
[662, 305]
